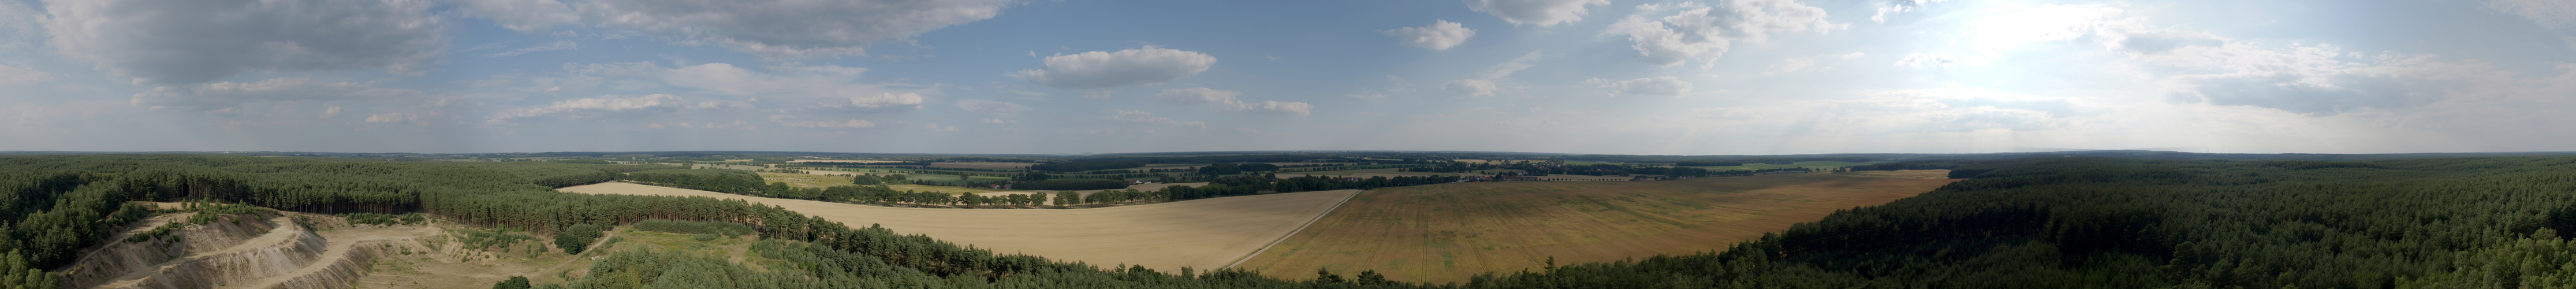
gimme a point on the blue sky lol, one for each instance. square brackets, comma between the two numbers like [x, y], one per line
[1574, 76]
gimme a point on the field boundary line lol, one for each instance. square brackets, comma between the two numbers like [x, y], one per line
[1293, 233]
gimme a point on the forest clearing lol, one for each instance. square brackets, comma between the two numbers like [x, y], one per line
[1165, 236]
[1443, 233]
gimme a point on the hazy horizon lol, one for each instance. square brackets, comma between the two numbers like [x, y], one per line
[1747, 77]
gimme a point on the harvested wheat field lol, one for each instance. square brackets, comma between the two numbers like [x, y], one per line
[1449, 232]
[1204, 234]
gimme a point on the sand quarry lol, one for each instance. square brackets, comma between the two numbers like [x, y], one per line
[1203, 234]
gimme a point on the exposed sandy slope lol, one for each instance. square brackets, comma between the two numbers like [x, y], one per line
[1203, 234]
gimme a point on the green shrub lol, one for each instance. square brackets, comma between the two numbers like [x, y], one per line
[576, 238]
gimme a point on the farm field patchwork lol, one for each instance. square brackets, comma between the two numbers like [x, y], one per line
[1443, 233]
[1162, 237]
[1806, 164]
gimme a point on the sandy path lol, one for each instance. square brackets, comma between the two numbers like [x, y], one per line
[1204, 234]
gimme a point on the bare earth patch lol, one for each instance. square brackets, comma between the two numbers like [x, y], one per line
[1204, 234]
[1449, 232]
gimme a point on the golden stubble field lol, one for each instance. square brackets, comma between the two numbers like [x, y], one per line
[1204, 234]
[1445, 233]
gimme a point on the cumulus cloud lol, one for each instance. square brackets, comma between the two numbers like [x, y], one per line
[526, 16]
[1132, 67]
[1921, 60]
[1536, 12]
[1702, 32]
[992, 107]
[1196, 95]
[220, 95]
[790, 28]
[2555, 14]
[1471, 87]
[590, 106]
[1441, 35]
[178, 42]
[789, 121]
[1271, 107]
[996, 121]
[1654, 86]
[10, 75]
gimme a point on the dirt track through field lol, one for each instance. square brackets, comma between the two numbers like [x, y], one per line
[1202, 234]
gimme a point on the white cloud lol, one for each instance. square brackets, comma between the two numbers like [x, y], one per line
[1702, 32]
[992, 107]
[2052, 22]
[883, 101]
[997, 121]
[1440, 35]
[221, 95]
[10, 75]
[1921, 60]
[178, 42]
[1131, 67]
[526, 16]
[591, 106]
[2555, 14]
[1655, 86]
[557, 45]
[788, 121]
[333, 111]
[1505, 69]
[1271, 107]
[1900, 6]
[1537, 12]
[790, 28]
[1196, 95]
[1471, 87]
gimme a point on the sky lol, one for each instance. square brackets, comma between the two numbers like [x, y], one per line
[1085, 76]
